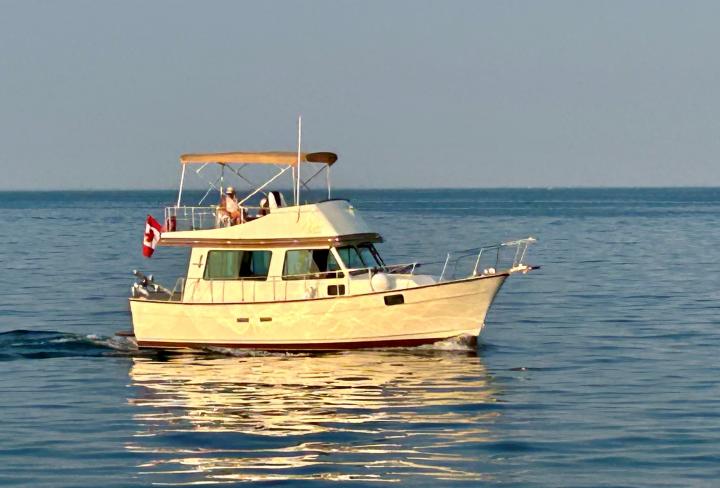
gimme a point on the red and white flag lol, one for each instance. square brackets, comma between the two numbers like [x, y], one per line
[151, 237]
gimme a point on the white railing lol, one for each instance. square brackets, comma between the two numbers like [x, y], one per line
[270, 289]
[506, 257]
[201, 218]
[190, 218]
[480, 261]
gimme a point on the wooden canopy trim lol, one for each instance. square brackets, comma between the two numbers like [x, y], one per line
[272, 157]
[246, 243]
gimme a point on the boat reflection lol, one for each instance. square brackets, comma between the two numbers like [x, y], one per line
[371, 416]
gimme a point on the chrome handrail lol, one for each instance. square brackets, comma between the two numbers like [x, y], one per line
[450, 264]
[313, 281]
[186, 217]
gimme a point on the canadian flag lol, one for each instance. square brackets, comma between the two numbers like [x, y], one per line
[151, 237]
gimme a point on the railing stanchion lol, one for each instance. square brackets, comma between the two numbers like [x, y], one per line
[517, 254]
[477, 262]
[525, 248]
[444, 266]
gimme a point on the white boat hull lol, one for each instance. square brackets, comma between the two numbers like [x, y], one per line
[428, 314]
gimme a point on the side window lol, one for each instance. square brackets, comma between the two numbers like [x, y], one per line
[222, 265]
[297, 263]
[332, 264]
[235, 265]
[259, 265]
[310, 263]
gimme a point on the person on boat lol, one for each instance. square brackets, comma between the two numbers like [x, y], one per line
[273, 200]
[229, 209]
[264, 207]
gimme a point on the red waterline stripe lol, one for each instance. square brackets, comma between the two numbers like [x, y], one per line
[310, 346]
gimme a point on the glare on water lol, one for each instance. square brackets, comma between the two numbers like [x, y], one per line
[373, 415]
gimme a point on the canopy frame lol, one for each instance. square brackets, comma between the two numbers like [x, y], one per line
[283, 160]
[218, 184]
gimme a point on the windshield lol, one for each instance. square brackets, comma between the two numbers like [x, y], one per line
[360, 257]
[351, 257]
[369, 255]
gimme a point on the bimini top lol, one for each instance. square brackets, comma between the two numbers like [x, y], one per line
[273, 157]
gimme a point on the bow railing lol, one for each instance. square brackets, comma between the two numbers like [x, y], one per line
[505, 257]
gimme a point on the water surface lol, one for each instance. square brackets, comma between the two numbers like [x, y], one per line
[600, 369]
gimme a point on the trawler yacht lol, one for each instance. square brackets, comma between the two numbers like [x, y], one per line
[273, 275]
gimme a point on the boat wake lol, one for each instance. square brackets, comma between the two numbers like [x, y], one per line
[250, 353]
[32, 344]
[463, 343]
[36, 344]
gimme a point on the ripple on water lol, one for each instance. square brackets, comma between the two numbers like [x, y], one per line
[598, 370]
[335, 416]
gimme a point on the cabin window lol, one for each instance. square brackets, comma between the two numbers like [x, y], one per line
[237, 265]
[310, 263]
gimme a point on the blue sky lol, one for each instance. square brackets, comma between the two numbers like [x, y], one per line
[410, 94]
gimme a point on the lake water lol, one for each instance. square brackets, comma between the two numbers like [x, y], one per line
[600, 369]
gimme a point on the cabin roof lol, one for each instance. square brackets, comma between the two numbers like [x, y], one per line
[327, 222]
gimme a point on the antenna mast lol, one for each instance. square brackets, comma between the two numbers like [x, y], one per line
[297, 174]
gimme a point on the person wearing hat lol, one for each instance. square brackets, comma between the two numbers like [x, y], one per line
[230, 205]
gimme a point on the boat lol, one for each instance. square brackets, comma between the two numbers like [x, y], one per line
[305, 275]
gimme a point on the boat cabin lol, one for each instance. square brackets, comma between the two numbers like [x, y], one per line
[270, 274]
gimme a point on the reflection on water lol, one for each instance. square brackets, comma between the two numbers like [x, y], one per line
[369, 416]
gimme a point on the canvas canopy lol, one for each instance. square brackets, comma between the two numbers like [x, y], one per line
[276, 157]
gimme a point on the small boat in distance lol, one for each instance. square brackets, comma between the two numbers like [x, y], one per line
[304, 276]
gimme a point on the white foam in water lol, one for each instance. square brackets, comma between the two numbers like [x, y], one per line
[62, 340]
[465, 342]
[116, 342]
[227, 351]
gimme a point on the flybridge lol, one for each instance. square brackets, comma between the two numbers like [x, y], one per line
[231, 166]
